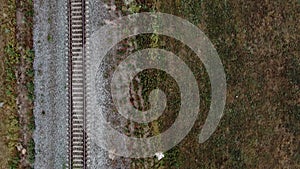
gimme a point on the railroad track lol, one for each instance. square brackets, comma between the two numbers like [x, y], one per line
[76, 84]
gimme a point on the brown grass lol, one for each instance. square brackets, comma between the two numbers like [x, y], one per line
[8, 133]
[258, 43]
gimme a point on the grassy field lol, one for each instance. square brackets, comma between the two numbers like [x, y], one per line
[16, 81]
[258, 43]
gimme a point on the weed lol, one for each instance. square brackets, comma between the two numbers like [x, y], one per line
[13, 55]
[64, 166]
[50, 38]
[30, 88]
[31, 124]
[171, 158]
[29, 56]
[30, 73]
[13, 163]
[31, 151]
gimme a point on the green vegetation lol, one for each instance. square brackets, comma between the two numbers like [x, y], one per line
[14, 162]
[50, 38]
[31, 151]
[171, 159]
[9, 118]
[15, 53]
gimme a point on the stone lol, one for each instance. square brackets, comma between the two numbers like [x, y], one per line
[1, 104]
[23, 151]
[159, 155]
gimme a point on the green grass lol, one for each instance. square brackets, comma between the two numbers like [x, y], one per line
[13, 55]
[11, 122]
[14, 163]
[171, 159]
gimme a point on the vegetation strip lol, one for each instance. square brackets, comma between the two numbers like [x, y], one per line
[17, 89]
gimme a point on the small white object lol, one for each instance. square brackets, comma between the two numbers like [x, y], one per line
[19, 147]
[111, 156]
[106, 6]
[108, 22]
[1, 104]
[23, 151]
[113, 7]
[159, 155]
[127, 2]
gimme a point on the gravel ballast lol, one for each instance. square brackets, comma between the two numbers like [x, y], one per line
[51, 116]
[50, 65]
